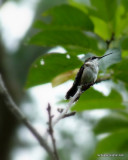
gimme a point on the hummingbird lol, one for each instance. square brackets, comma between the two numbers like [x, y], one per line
[86, 75]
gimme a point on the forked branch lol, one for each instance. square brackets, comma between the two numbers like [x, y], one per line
[64, 113]
[17, 112]
[51, 132]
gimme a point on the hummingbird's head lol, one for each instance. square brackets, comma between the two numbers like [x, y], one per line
[95, 59]
[92, 61]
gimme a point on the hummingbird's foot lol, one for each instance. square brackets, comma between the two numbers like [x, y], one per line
[87, 86]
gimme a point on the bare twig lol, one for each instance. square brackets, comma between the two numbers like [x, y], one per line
[16, 111]
[69, 114]
[85, 87]
[60, 110]
[65, 111]
[75, 98]
[50, 130]
[102, 79]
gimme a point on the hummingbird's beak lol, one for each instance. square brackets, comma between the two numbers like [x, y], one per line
[104, 56]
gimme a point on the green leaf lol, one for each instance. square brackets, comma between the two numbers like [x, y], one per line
[45, 68]
[66, 17]
[66, 38]
[125, 4]
[116, 120]
[114, 58]
[104, 9]
[92, 99]
[116, 143]
[121, 26]
[103, 15]
[121, 71]
[124, 43]
[67, 28]
[101, 28]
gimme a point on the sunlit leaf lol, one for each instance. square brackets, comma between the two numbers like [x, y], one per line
[121, 26]
[104, 9]
[64, 77]
[103, 15]
[101, 28]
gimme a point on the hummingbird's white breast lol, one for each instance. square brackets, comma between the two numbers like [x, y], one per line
[90, 72]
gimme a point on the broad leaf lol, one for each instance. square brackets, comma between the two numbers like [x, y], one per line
[115, 144]
[114, 58]
[114, 121]
[47, 67]
[67, 38]
[92, 99]
[121, 26]
[121, 71]
[125, 4]
[124, 43]
[67, 17]
[103, 15]
[67, 27]
[101, 28]
[104, 9]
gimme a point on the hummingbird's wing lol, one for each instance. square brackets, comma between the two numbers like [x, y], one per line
[76, 83]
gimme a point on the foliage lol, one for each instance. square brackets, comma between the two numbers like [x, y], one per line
[47, 67]
[87, 29]
[113, 101]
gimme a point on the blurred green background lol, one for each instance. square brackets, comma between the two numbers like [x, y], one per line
[43, 43]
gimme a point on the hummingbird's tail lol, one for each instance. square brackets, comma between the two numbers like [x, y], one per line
[71, 92]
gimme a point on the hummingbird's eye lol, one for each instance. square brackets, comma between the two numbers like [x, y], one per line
[93, 58]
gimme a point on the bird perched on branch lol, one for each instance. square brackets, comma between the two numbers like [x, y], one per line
[86, 75]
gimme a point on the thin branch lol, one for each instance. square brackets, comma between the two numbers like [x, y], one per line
[75, 98]
[51, 132]
[65, 111]
[102, 79]
[69, 114]
[85, 87]
[60, 110]
[16, 111]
